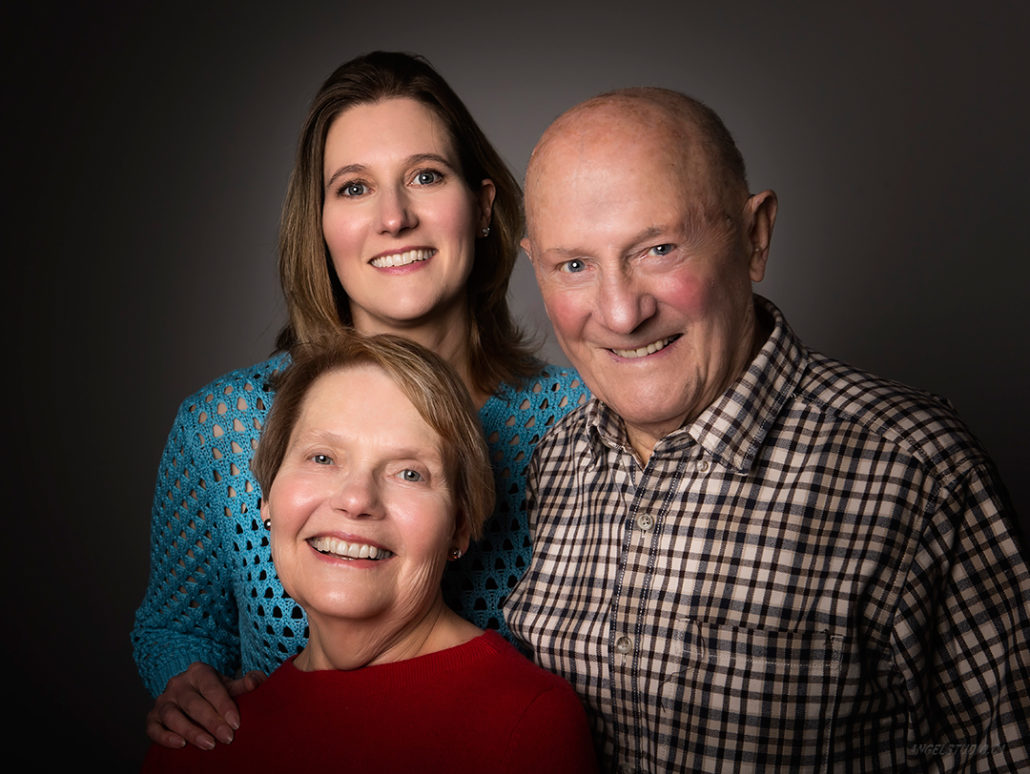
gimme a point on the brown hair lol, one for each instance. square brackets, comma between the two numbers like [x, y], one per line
[434, 389]
[316, 301]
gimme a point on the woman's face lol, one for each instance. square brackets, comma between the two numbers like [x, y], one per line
[398, 218]
[362, 515]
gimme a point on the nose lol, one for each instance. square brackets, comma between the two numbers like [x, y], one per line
[624, 303]
[356, 496]
[396, 214]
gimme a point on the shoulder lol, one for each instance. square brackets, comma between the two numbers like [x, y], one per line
[252, 379]
[516, 679]
[243, 391]
[552, 385]
[549, 729]
[915, 422]
[536, 402]
[570, 430]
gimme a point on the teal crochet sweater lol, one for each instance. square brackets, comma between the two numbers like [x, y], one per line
[213, 594]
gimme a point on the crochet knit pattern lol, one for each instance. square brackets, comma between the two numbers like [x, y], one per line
[213, 594]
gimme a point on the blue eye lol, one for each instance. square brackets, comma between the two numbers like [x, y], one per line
[353, 189]
[574, 266]
[411, 475]
[662, 249]
[321, 459]
[428, 177]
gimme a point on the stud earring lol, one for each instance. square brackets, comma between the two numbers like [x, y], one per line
[485, 231]
[268, 523]
[454, 554]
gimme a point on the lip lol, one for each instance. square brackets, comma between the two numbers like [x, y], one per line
[644, 351]
[355, 544]
[403, 259]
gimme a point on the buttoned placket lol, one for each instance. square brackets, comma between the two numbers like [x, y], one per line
[648, 504]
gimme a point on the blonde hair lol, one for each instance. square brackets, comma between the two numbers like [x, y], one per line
[430, 383]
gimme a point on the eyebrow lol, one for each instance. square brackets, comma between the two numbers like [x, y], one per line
[328, 437]
[418, 158]
[643, 236]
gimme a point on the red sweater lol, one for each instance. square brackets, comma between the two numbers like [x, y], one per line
[479, 707]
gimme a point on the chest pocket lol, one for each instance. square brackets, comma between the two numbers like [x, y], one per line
[771, 695]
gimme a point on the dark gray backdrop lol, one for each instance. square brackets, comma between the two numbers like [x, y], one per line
[146, 156]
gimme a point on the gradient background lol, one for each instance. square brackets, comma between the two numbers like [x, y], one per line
[147, 152]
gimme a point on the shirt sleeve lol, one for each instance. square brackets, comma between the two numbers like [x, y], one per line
[188, 613]
[552, 736]
[961, 634]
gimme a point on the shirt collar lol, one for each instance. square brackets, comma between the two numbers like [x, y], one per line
[733, 428]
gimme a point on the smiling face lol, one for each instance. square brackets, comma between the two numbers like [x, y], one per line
[645, 263]
[398, 218]
[362, 515]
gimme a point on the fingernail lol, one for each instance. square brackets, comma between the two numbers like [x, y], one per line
[233, 720]
[225, 735]
[206, 743]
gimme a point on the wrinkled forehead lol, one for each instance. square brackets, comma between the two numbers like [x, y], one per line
[610, 142]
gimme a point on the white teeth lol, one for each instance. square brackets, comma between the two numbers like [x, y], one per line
[401, 259]
[345, 550]
[643, 351]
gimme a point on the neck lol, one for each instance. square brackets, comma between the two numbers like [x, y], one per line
[336, 643]
[644, 438]
[446, 335]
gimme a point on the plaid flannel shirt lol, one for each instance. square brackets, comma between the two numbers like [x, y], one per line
[820, 573]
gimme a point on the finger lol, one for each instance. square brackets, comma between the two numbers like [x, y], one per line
[170, 728]
[245, 684]
[158, 734]
[197, 715]
[195, 705]
[208, 701]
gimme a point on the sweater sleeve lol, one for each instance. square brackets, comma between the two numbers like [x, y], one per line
[187, 613]
[552, 735]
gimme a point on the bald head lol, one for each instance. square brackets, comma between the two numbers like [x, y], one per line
[640, 117]
[645, 243]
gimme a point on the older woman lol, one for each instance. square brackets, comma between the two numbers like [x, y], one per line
[375, 474]
[399, 218]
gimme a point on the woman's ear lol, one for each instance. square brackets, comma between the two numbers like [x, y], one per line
[485, 203]
[462, 533]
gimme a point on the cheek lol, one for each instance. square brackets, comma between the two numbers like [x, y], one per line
[691, 295]
[567, 310]
[454, 217]
[343, 235]
[290, 503]
[426, 523]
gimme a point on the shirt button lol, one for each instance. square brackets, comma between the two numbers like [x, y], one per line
[702, 465]
[645, 521]
[623, 645]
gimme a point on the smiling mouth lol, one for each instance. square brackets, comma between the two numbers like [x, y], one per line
[650, 349]
[402, 259]
[341, 549]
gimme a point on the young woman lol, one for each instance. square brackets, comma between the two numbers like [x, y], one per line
[399, 218]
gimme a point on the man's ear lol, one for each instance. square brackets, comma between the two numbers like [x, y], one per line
[526, 246]
[760, 214]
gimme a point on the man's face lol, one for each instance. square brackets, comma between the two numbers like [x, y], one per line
[645, 266]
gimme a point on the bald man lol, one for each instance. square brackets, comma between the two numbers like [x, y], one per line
[746, 555]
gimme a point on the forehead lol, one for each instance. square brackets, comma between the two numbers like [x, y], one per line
[383, 128]
[611, 165]
[363, 403]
